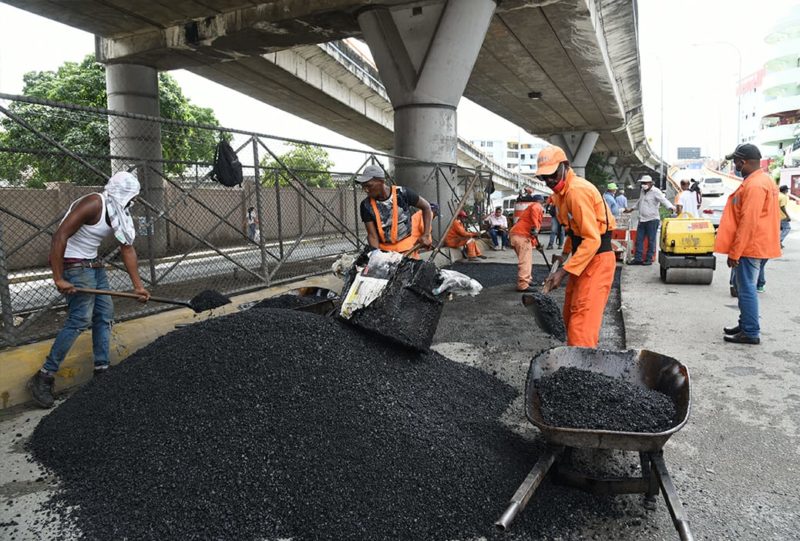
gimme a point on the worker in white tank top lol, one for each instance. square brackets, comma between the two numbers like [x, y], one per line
[73, 259]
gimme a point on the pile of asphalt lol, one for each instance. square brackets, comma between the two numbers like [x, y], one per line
[287, 426]
[208, 299]
[287, 302]
[575, 398]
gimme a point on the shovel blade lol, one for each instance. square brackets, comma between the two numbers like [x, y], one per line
[546, 313]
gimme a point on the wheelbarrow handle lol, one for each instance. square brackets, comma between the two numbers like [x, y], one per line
[523, 494]
[127, 295]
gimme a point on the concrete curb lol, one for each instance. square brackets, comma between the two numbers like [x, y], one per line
[18, 364]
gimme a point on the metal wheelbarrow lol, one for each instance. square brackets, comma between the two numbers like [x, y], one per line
[644, 368]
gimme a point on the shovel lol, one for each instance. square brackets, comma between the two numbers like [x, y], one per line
[205, 300]
[546, 311]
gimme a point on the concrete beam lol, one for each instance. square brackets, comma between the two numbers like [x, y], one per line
[578, 147]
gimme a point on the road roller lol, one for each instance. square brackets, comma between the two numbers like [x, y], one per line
[687, 251]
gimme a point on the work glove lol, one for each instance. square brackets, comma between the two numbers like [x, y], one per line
[534, 231]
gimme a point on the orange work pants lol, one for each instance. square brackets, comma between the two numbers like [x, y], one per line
[522, 246]
[586, 298]
[470, 244]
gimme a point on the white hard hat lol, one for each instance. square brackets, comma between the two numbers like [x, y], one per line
[645, 179]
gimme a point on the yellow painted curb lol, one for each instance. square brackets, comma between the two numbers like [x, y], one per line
[18, 364]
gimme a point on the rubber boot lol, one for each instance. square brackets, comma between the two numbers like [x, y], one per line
[41, 388]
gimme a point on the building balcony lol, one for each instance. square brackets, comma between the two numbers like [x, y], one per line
[777, 106]
[782, 83]
[784, 133]
[779, 51]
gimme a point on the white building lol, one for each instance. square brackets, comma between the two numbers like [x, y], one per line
[780, 110]
[750, 105]
[511, 153]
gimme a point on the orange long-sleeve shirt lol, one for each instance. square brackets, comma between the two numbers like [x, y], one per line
[457, 234]
[750, 225]
[530, 218]
[582, 209]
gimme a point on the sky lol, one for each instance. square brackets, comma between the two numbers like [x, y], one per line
[695, 44]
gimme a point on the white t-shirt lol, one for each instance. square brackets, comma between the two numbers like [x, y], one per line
[688, 201]
[493, 220]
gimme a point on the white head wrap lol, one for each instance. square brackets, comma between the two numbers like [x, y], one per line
[120, 190]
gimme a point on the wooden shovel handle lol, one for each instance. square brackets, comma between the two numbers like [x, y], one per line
[127, 295]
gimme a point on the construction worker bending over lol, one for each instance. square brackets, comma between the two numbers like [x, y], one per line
[524, 238]
[73, 258]
[591, 267]
[387, 216]
[459, 237]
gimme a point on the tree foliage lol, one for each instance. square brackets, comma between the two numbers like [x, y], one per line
[86, 133]
[309, 163]
[597, 172]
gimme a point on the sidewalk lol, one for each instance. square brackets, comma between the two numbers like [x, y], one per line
[736, 462]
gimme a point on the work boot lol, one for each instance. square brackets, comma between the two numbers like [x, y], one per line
[732, 330]
[549, 247]
[41, 388]
[740, 338]
[761, 289]
[482, 257]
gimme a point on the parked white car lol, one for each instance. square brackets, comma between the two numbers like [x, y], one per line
[712, 186]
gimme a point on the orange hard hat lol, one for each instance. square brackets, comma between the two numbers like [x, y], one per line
[548, 160]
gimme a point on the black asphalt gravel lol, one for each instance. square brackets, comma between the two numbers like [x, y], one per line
[208, 299]
[498, 274]
[287, 302]
[291, 426]
[575, 398]
[548, 314]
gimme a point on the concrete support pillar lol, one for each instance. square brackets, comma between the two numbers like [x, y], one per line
[425, 55]
[578, 146]
[134, 89]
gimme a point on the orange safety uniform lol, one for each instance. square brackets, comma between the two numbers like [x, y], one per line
[591, 268]
[458, 236]
[523, 242]
[520, 206]
[750, 224]
[394, 245]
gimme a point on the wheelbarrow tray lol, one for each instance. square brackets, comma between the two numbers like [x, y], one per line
[639, 367]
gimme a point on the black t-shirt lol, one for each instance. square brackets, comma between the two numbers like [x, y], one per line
[406, 198]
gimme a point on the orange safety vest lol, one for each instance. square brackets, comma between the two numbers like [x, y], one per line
[393, 245]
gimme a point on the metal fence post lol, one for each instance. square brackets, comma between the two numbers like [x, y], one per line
[439, 201]
[355, 218]
[276, 176]
[144, 172]
[5, 295]
[259, 211]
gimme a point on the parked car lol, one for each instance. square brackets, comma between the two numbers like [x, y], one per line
[713, 211]
[712, 186]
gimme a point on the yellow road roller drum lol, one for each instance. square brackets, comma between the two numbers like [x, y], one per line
[687, 251]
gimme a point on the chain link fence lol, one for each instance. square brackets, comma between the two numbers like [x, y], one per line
[291, 217]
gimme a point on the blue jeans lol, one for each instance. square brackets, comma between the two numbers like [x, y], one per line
[746, 277]
[556, 231]
[646, 229]
[495, 233]
[786, 226]
[84, 311]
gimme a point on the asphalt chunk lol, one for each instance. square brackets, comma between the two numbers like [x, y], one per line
[548, 314]
[284, 425]
[208, 299]
[575, 398]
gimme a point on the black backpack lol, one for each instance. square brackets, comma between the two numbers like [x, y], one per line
[227, 167]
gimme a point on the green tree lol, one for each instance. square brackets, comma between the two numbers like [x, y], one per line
[596, 171]
[85, 133]
[311, 165]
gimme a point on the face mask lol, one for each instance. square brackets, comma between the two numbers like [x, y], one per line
[557, 184]
[647, 187]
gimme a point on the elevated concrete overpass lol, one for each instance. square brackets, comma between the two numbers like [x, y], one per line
[567, 70]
